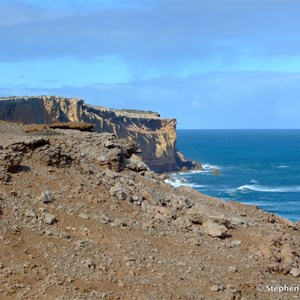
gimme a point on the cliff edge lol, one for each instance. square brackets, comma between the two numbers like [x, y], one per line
[156, 136]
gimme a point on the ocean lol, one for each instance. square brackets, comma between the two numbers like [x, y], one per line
[257, 167]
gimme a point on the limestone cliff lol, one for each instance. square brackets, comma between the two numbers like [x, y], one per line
[156, 136]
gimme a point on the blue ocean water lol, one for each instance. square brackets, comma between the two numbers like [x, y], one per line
[260, 167]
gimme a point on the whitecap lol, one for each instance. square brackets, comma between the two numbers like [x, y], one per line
[281, 167]
[269, 189]
[190, 172]
[210, 167]
[253, 181]
[176, 182]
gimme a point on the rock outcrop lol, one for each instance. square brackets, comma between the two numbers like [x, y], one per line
[156, 136]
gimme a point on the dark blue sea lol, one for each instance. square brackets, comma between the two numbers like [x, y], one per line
[260, 167]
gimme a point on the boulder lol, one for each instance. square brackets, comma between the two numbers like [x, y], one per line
[213, 229]
[119, 192]
[295, 272]
[46, 197]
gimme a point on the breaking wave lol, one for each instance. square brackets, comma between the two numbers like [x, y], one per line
[281, 167]
[210, 167]
[269, 189]
[181, 182]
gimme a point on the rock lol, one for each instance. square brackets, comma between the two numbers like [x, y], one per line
[110, 144]
[16, 228]
[90, 263]
[277, 268]
[200, 213]
[103, 218]
[164, 176]
[235, 243]
[232, 269]
[182, 222]
[215, 288]
[195, 217]
[84, 216]
[213, 229]
[216, 172]
[231, 293]
[295, 272]
[49, 219]
[30, 213]
[136, 200]
[111, 174]
[119, 192]
[46, 197]
[236, 221]
[135, 164]
[1, 265]
[102, 158]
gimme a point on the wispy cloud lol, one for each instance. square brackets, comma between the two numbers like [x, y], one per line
[158, 31]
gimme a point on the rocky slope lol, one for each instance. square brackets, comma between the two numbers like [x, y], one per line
[155, 136]
[82, 218]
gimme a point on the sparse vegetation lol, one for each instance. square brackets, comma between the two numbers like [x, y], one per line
[137, 111]
[82, 126]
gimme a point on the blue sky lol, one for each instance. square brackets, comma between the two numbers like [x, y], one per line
[210, 64]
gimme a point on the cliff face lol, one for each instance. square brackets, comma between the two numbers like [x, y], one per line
[155, 136]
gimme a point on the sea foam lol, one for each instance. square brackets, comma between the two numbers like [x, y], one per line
[175, 182]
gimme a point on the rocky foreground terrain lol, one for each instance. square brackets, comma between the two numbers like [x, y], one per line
[82, 217]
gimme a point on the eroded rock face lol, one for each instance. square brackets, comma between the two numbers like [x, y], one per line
[155, 136]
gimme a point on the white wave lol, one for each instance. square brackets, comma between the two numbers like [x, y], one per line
[253, 181]
[210, 167]
[190, 172]
[196, 171]
[262, 188]
[175, 182]
[193, 185]
[281, 167]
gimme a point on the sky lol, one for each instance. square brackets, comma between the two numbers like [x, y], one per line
[208, 63]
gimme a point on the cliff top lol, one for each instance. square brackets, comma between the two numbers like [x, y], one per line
[83, 218]
[132, 113]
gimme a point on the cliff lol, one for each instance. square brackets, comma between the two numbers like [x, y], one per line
[156, 136]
